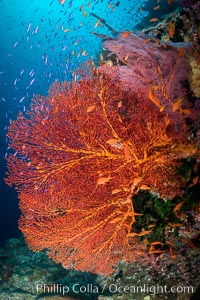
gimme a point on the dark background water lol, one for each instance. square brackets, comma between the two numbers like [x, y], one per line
[36, 49]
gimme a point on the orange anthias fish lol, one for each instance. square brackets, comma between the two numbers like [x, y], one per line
[115, 143]
[171, 252]
[116, 191]
[127, 152]
[147, 40]
[156, 7]
[125, 34]
[178, 206]
[153, 20]
[174, 225]
[90, 108]
[154, 99]
[62, 1]
[171, 29]
[154, 250]
[194, 181]
[177, 104]
[103, 180]
[126, 57]
[181, 52]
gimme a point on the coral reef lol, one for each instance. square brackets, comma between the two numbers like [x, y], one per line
[30, 269]
[87, 148]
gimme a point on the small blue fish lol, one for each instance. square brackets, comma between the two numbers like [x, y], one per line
[28, 27]
[22, 99]
[36, 29]
[22, 71]
[32, 81]
[15, 45]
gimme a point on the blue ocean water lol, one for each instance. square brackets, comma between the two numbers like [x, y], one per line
[45, 41]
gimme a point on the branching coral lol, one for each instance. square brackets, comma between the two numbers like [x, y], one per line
[83, 152]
